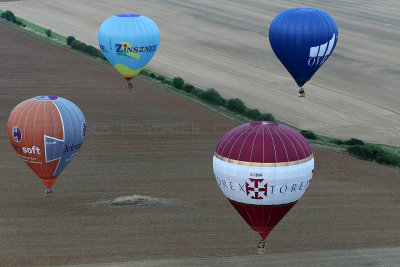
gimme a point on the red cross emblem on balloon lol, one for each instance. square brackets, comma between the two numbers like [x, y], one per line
[257, 189]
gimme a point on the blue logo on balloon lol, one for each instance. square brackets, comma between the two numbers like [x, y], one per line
[318, 54]
[16, 133]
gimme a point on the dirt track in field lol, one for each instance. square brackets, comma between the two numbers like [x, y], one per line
[152, 142]
[224, 45]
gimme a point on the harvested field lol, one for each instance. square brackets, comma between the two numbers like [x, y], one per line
[148, 141]
[224, 45]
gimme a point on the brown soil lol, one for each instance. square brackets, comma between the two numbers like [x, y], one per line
[148, 141]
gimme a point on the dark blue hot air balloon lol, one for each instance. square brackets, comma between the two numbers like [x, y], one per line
[303, 39]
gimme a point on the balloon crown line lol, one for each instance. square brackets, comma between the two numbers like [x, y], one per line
[46, 97]
[128, 15]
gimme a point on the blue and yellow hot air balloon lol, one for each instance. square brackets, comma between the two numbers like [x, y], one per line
[129, 42]
[303, 39]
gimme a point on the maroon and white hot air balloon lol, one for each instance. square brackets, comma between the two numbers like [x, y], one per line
[263, 168]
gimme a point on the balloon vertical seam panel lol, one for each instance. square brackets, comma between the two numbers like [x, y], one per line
[73, 138]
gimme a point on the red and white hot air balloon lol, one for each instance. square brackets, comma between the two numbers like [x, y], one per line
[263, 168]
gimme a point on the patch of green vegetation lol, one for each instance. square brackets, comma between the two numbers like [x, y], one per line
[212, 96]
[255, 114]
[87, 49]
[178, 82]
[308, 134]
[48, 32]
[374, 153]
[354, 141]
[8, 15]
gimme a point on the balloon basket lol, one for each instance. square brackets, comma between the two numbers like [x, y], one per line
[302, 94]
[49, 192]
[261, 247]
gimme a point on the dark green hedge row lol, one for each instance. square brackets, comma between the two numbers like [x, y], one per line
[81, 46]
[308, 134]
[213, 97]
[372, 152]
[359, 149]
[8, 15]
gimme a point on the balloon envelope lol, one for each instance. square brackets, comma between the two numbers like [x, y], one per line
[263, 168]
[303, 39]
[129, 41]
[46, 132]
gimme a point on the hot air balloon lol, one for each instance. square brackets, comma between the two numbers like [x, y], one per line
[263, 168]
[303, 39]
[129, 41]
[46, 131]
